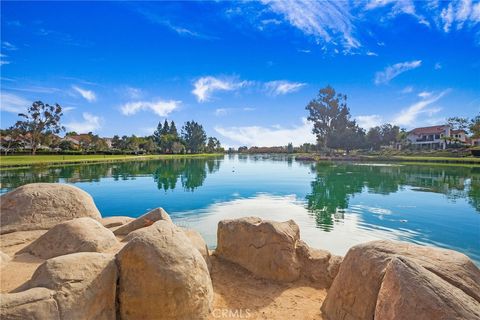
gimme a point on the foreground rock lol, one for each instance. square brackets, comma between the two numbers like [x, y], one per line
[162, 276]
[395, 280]
[143, 221]
[42, 205]
[78, 235]
[265, 248]
[84, 285]
[35, 303]
[319, 266]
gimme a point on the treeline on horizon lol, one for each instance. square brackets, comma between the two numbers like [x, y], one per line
[328, 112]
[39, 127]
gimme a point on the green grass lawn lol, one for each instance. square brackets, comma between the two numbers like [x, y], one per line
[429, 159]
[27, 160]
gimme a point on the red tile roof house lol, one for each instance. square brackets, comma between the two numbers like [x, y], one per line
[430, 137]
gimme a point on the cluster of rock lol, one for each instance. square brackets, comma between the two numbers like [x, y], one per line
[149, 268]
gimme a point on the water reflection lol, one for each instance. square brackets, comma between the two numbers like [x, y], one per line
[166, 173]
[335, 185]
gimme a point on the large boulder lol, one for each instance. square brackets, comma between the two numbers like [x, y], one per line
[42, 205]
[319, 266]
[35, 303]
[146, 220]
[395, 280]
[265, 248]
[78, 235]
[84, 284]
[163, 276]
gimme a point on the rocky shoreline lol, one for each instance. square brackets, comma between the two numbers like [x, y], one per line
[60, 259]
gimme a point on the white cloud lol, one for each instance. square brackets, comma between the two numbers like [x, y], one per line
[281, 87]
[90, 123]
[408, 116]
[459, 14]
[408, 89]
[88, 95]
[425, 94]
[437, 66]
[326, 21]
[133, 93]
[8, 46]
[369, 121]
[371, 53]
[265, 136]
[395, 70]
[13, 103]
[2, 61]
[160, 107]
[206, 86]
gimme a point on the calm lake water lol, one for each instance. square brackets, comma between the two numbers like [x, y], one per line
[336, 205]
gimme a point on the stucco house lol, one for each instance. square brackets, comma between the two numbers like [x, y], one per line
[430, 137]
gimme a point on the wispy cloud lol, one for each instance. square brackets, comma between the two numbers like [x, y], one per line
[2, 60]
[395, 70]
[205, 87]
[266, 136]
[369, 121]
[325, 21]
[89, 123]
[35, 89]
[88, 95]
[13, 103]
[281, 87]
[459, 14]
[159, 107]
[180, 30]
[408, 116]
[221, 112]
[8, 46]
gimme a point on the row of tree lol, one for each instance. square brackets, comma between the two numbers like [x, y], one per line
[41, 124]
[335, 129]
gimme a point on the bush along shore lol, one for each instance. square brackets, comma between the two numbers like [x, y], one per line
[383, 158]
[61, 260]
[50, 160]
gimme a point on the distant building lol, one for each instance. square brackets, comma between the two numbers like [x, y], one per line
[430, 137]
[459, 135]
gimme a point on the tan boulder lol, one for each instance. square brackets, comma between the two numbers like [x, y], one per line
[146, 220]
[84, 284]
[162, 276]
[199, 243]
[117, 221]
[4, 258]
[42, 205]
[372, 274]
[35, 303]
[265, 248]
[78, 235]
[408, 292]
[319, 266]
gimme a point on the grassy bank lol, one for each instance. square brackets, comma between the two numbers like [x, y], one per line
[46, 160]
[397, 158]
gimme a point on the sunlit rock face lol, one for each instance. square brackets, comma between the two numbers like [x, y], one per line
[163, 276]
[397, 280]
[38, 206]
[77, 235]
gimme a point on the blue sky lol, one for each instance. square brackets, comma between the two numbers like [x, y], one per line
[245, 70]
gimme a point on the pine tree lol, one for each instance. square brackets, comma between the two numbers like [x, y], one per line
[173, 130]
[166, 128]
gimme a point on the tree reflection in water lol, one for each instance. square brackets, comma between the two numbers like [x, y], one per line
[191, 172]
[336, 184]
